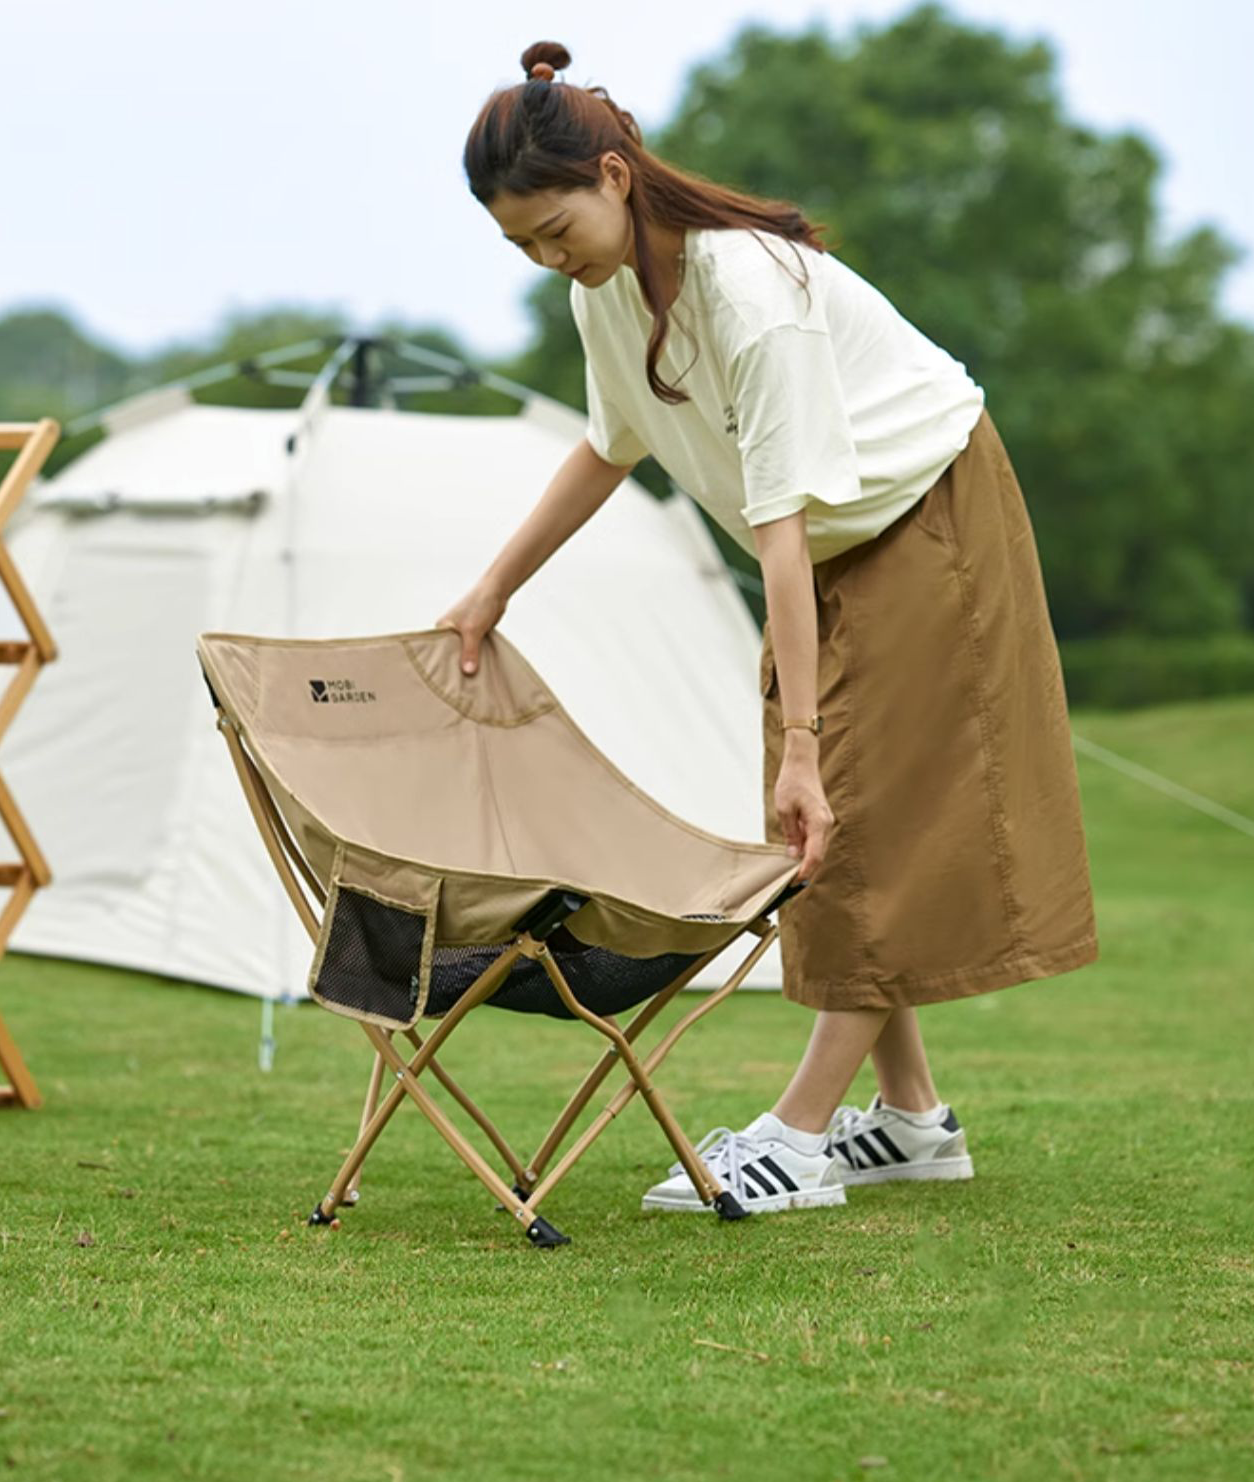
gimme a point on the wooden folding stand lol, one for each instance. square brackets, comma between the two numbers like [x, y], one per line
[32, 441]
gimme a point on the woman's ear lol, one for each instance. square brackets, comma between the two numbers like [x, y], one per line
[616, 173]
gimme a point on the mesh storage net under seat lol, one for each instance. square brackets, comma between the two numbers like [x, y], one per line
[371, 967]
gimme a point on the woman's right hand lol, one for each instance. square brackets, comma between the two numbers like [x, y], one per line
[805, 818]
[477, 613]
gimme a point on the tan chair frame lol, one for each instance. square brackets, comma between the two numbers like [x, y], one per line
[32, 441]
[532, 1184]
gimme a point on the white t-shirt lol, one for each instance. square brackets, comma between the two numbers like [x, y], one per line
[838, 406]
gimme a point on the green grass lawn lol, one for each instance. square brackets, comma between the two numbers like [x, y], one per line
[1083, 1309]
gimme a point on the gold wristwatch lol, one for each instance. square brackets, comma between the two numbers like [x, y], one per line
[815, 724]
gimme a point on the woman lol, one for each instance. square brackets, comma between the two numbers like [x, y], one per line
[918, 757]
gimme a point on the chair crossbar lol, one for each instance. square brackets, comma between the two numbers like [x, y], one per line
[473, 1110]
[537, 1229]
[646, 1068]
[482, 988]
[596, 1076]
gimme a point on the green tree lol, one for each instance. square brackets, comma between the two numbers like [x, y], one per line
[50, 368]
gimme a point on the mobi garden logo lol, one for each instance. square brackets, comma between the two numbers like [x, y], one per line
[338, 692]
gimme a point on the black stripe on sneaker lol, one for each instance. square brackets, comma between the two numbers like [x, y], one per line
[773, 1168]
[951, 1123]
[877, 1158]
[845, 1149]
[759, 1178]
[889, 1146]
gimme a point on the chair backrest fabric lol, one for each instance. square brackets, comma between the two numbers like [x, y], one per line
[399, 775]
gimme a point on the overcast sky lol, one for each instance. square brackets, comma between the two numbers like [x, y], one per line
[166, 161]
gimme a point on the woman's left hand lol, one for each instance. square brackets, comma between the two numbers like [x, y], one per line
[801, 807]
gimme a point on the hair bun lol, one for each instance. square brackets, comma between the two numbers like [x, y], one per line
[544, 60]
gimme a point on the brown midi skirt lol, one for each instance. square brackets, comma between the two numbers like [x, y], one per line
[957, 862]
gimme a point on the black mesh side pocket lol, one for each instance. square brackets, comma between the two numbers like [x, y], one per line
[373, 960]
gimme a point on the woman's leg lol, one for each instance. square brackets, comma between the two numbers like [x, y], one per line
[901, 1064]
[839, 1042]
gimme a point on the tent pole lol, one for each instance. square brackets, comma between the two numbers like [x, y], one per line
[265, 1049]
[229, 370]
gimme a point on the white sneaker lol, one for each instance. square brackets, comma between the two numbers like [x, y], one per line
[759, 1167]
[881, 1144]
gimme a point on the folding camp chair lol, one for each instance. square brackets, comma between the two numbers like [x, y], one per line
[466, 844]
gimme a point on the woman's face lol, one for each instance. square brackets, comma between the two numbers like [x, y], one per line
[586, 234]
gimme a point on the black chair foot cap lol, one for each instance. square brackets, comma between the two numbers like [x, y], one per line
[545, 1236]
[729, 1207]
[318, 1218]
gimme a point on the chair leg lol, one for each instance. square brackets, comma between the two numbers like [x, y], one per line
[523, 1200]
[537, 1229]
[512, 1161]
[556, 1134]
[324, 1212]
[703, 1180]
[21, 1090]
[483, 988]
[353, 1191]
[707, 1186]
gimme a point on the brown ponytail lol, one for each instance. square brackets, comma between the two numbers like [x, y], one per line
[548, 135]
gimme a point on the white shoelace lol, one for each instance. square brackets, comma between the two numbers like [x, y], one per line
[846, 1122]
[723, 1152]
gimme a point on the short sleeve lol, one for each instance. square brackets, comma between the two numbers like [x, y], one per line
[796, 443]
[609, 433]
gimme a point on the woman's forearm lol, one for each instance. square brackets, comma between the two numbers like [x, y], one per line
[578, 489]
[788, 577]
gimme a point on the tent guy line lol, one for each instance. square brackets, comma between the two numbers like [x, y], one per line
[1164, 785]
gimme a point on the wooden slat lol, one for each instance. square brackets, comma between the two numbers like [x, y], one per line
[15, 908]
[16, 435]
[10, 874]
[19, 688]
[26, 608]
[23, 838]
[14, 653]
[33, 454]
[23, 1088]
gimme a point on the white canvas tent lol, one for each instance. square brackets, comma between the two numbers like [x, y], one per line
[329, 520]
